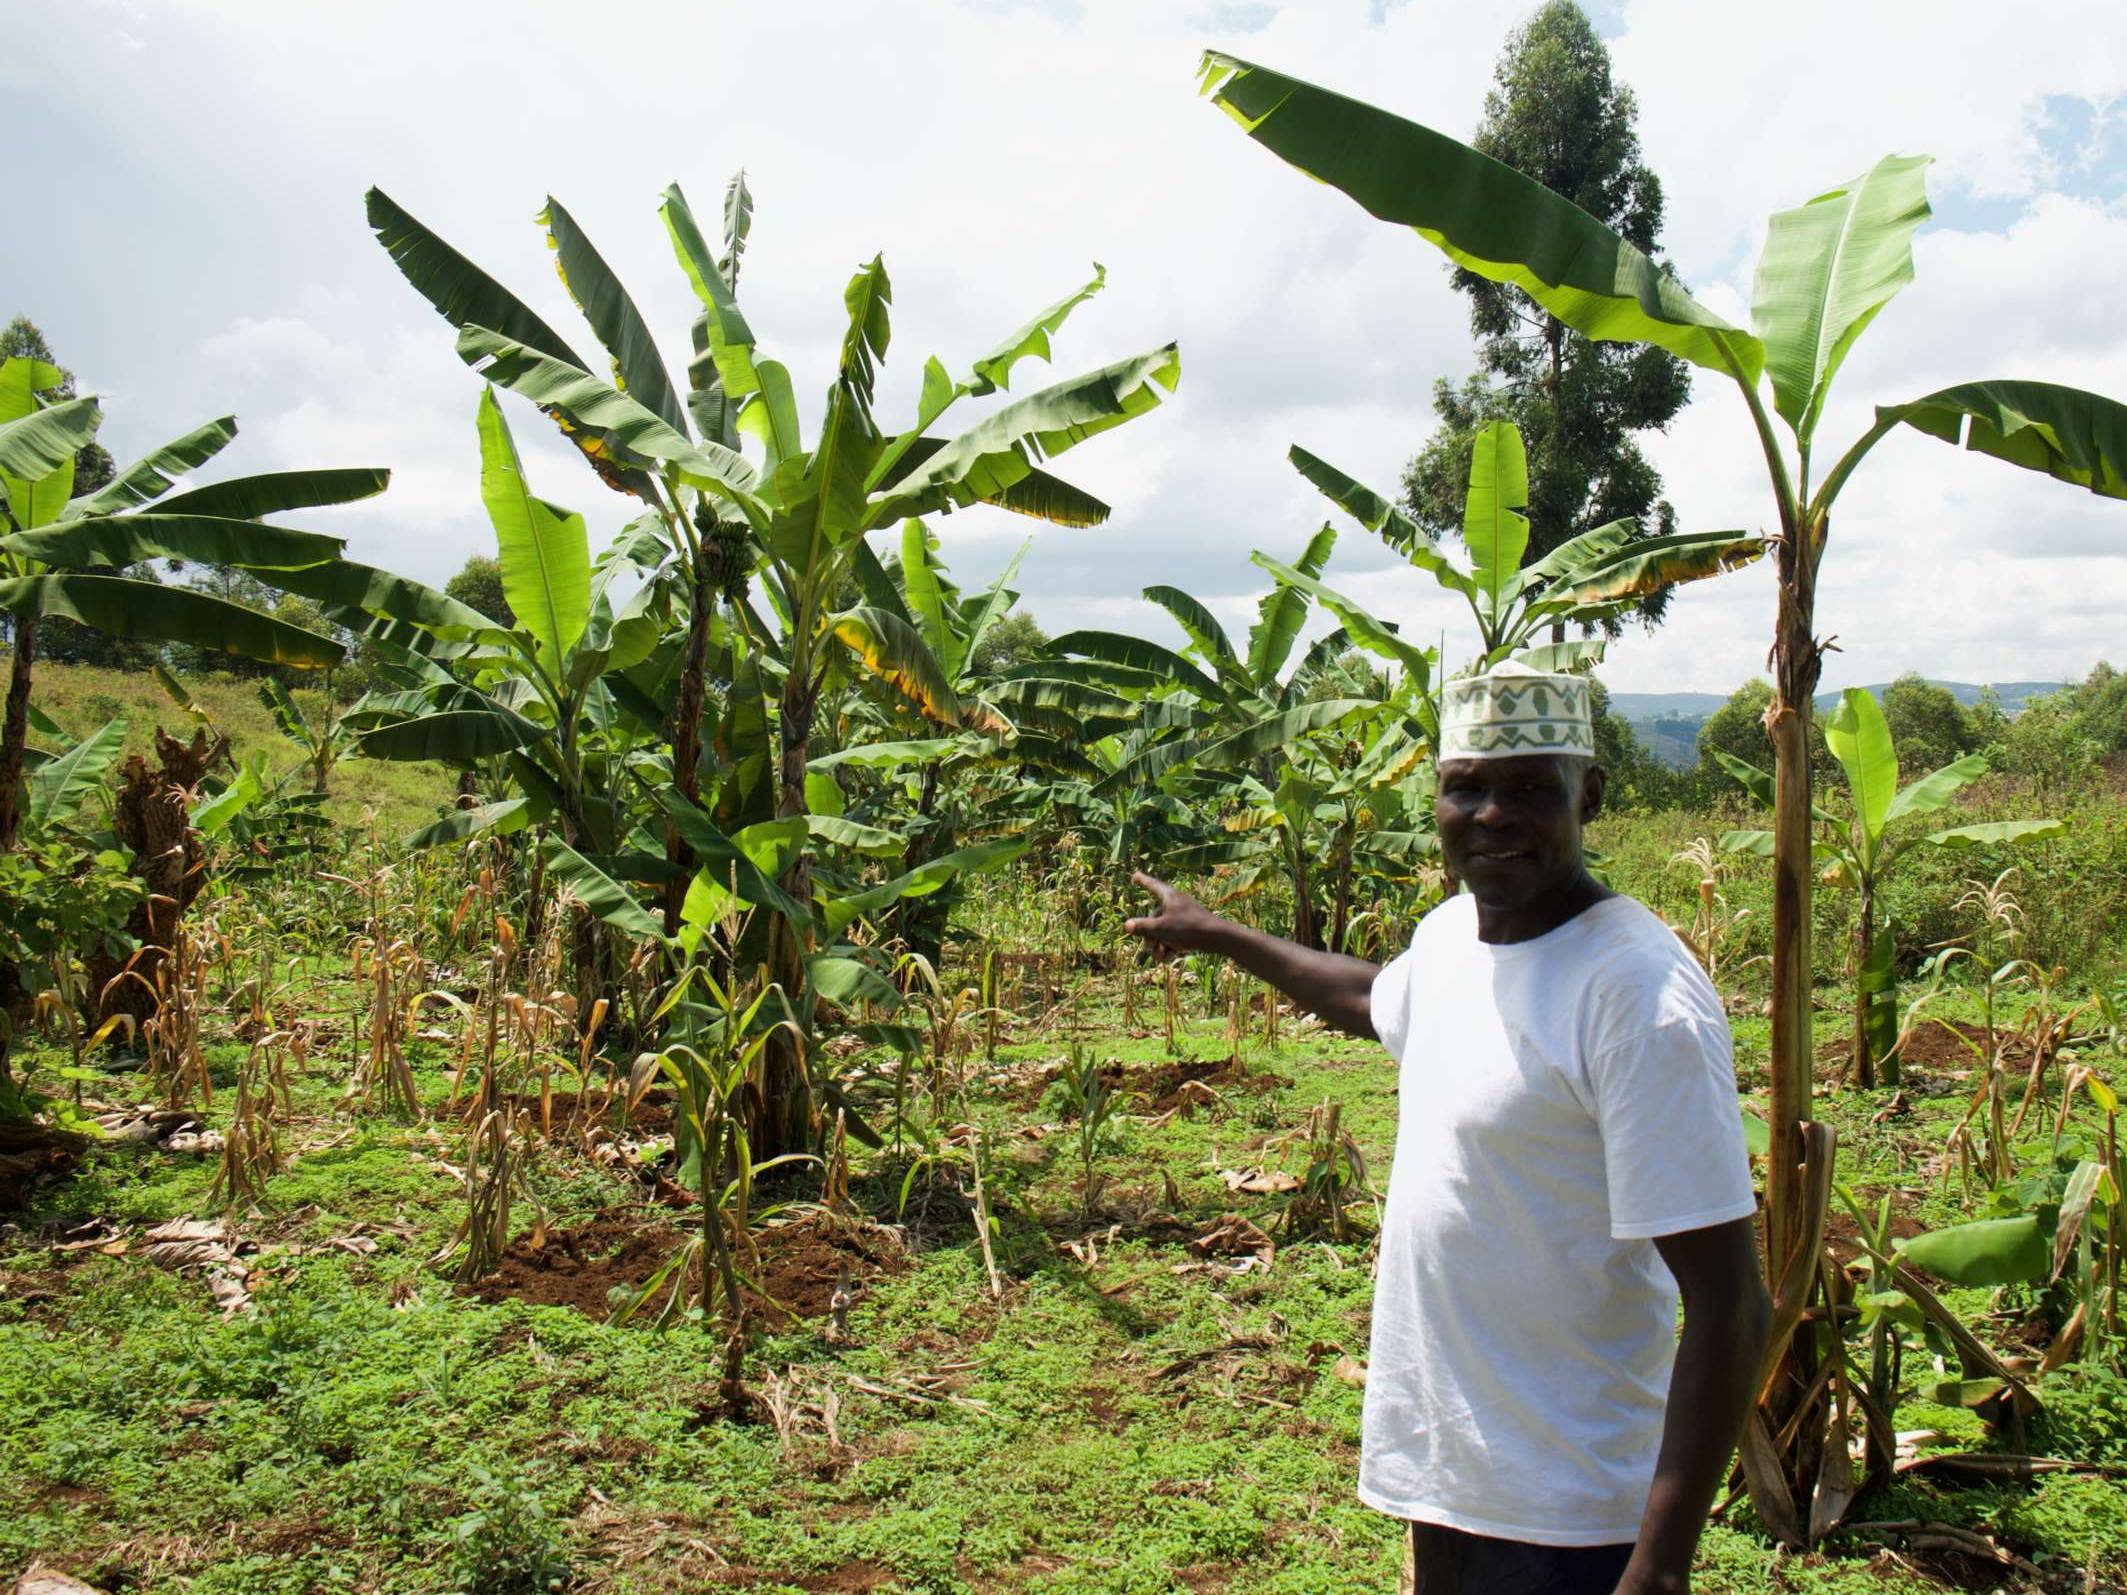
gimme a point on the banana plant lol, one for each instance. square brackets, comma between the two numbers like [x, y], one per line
[324, 738]
[1213, 706]
[1828, 269]
[1589, 579]
[1857, 853]
[539, 695]
[58, 549]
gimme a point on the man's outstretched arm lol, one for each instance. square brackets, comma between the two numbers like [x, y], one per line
[1337, 988]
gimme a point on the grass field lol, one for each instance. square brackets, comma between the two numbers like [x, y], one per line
[79, 698]
[1138, 1411]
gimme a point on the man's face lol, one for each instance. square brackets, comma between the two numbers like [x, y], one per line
[1511, 828]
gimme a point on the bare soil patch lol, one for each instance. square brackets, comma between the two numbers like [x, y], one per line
[797, 1266]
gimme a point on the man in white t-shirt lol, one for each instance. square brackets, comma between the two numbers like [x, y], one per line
[1569, 1158]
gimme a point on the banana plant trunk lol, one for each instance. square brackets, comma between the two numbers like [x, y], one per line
[15, 731]
[1864, 948]
[778, 1106]
[1796, 663]
[687, 736]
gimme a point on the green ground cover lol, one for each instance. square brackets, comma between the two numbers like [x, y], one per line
[1131, 1415]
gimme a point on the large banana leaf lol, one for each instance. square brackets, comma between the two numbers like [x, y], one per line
[722, 333]
[1485, 216]
[1562, 658]
[1993, 1251]
[895, 652]
[2071, 435]
[1037, 493]
[460, 290]
[921, 881]
[545, 551]
[994, 370]
[287, 713]
[1932, 790]
[1003, 447]
[599, 892]
[58, 787]
[1826, 269]
[155, 474]
[1138, 655]
[1989, 833]
[452, 736]
[1204, 632]
[44, 441]
[726, 863]
[43, 500]
[1275, 731]
[502, 818]
[605, 423]
[1375, 636]
[1494, 529]
[1284, 611]
[349, 587]
[1638, 569]
[1860, 739]
[122, 540]
[1378, 515]
[637, 368]
[244, 497]
[120, 607]
[22, 379]
[887, 755]
[1596, 544]
[924, 593]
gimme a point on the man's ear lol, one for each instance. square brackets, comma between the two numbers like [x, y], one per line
[1594, 780]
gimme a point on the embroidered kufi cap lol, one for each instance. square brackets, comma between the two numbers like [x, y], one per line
[1512, 710]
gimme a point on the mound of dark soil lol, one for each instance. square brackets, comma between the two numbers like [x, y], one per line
[799, 1264]
[578, 1267]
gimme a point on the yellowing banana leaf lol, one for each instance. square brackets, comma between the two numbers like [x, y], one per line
[1485, 216]
[894, 651]
[609, 427]
[1637, 569]
[637, 367]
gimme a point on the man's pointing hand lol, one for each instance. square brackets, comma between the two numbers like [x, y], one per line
[1178, 923]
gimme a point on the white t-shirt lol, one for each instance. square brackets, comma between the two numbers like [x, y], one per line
[1562, 1100]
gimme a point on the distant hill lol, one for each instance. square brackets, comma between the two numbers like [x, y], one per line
[1667, 723]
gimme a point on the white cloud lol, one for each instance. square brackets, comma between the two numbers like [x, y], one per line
[206, 252]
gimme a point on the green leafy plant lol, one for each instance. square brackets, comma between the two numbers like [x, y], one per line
[1091, 1103]
[1858, 852]
[507, 1545]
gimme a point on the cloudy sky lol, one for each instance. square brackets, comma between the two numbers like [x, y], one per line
[189, 233]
